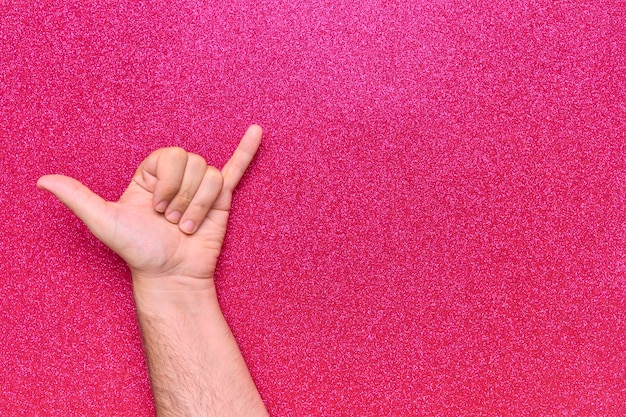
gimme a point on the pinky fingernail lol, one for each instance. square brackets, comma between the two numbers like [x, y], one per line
[188, 226]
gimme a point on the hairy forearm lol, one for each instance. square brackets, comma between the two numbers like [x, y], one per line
[196, 368]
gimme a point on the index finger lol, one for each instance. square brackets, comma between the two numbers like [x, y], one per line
[241, 158]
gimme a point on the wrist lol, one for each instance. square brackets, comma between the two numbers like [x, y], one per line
[159, 293]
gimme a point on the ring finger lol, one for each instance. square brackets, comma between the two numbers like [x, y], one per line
[203, 200]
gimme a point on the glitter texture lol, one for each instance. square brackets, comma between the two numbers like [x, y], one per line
[434, 225]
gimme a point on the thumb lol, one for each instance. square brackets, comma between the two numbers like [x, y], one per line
[84, 203]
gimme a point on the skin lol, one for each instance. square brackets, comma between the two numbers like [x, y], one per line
[169, 226]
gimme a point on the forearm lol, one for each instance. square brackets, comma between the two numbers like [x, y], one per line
[196, 368]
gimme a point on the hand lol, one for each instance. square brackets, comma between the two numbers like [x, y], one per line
[171, 220]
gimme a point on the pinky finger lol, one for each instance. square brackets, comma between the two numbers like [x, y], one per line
[241, 158]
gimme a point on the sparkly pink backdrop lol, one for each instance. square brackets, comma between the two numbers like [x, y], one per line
[435, 224]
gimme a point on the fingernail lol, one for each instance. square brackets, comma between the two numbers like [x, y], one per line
[161, 206]
[188, 226]
[174, 216]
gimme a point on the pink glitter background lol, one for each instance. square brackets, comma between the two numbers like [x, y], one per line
[435, 224]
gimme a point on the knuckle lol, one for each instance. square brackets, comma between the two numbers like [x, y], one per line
[168, 188]
[196, 159]
[176, 151]
[214, 175]
[182, 199]
[198, 208]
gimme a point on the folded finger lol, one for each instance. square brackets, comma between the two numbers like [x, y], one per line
[165, 168]
[193, 176]
[202, 201]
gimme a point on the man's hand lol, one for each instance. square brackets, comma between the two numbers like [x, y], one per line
[171, 219]
[169, 226]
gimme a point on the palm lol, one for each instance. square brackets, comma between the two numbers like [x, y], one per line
[152, 245]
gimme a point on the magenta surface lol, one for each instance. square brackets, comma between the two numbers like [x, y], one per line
[435, 224]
